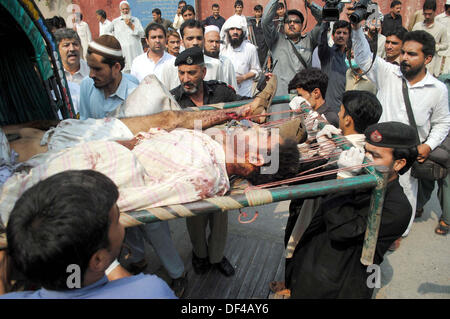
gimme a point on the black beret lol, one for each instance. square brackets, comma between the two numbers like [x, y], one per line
[392, 135]
[190, 56]
[297, 13]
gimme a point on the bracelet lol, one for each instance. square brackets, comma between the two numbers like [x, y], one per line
[111, 267]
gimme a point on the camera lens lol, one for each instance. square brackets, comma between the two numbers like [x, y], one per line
[357, 16]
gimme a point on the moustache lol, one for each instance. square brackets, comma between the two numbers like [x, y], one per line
[404, 64]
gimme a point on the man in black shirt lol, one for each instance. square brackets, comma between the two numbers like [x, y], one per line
[254, 24]
[393, 19]
[193, 91]
[332, 60]
[215, 19]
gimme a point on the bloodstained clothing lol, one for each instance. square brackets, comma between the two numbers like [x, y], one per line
[326, 262]
[162, 168]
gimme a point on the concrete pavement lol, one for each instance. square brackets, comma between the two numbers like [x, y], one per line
[419, 269]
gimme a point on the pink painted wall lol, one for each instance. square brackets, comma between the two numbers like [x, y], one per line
[203, 8]
[88, 8]
[227, 8]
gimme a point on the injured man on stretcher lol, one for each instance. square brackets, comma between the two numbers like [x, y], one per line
[153, 161]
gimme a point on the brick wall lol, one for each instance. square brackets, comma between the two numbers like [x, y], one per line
[88, 8]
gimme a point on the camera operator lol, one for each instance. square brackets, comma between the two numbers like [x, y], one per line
[428, 96]
[292, 50]
[332, 60]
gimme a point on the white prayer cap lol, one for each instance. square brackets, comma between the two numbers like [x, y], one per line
[107, 46]
[122, 2]
[235, 21]
[210, 28]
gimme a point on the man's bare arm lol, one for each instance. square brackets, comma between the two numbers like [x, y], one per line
[170, 120]
[43, 125]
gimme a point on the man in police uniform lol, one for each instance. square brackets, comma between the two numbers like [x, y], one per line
[193, 90]
[326, 261]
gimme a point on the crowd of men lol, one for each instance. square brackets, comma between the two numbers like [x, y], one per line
[350, 75]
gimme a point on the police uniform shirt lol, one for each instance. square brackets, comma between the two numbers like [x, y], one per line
[213, 92]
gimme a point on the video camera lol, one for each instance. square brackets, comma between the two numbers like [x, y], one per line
[331, 10]
[363, 9]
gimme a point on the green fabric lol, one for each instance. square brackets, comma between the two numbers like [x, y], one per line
[27, 25]
[24, 97]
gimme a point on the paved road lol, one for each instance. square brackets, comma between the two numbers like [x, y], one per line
[418, 269]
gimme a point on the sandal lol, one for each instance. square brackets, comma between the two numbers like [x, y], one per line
[419, 212]
[442, 228]
[263, 99]
[395, 245]
[276, 286]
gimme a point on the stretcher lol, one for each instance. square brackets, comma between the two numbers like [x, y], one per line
[372, 178]
[48, 63]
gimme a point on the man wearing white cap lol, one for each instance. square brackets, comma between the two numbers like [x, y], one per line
[242, 53]
[212, 49]
[106, 87]
[128, 30]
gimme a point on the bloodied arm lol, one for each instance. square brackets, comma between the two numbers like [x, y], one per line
[28, 144]
[170, 120]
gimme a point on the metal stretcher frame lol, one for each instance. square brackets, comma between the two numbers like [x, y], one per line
[374, 179]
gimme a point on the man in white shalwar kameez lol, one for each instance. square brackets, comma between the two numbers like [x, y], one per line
[82, 28]
[128, 30]
[242, 54]
[212, 49]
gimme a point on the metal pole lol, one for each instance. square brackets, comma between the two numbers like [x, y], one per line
[374, 218]
[276, 100]
[250, 198]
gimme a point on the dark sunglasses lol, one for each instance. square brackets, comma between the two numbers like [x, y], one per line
[293, 21]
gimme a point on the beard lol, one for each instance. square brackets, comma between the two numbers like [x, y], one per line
[293, 35]
[193, 88]
[212, 54]
[126, 16]
[235, 43]
[412, 72]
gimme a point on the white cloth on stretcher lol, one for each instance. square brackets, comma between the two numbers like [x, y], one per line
[164, 168]
[71, 132]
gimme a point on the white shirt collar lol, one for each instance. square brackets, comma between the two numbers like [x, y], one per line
[427, 80]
